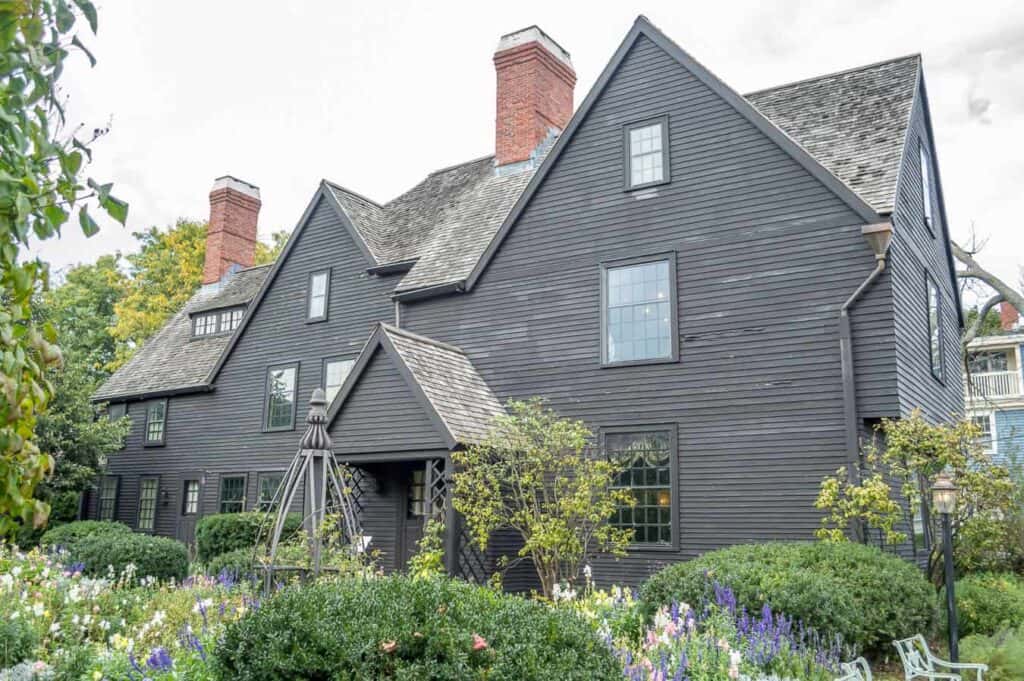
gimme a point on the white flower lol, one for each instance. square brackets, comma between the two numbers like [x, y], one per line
[55, 627]
[38, 609]
[158, 617]
[587, 571]
[104, 625]
[16, 570]
[6, 581]
[734, 658]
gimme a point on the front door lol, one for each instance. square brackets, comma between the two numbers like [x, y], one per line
[189, 510]
[415, 510]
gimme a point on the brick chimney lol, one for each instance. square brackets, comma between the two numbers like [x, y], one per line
[535, 83]
[1009, 318]
[231, 235]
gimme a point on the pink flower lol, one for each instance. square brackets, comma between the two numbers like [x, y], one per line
[388, 646]
[479, 642]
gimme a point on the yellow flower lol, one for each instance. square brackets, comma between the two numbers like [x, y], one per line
[97, 675]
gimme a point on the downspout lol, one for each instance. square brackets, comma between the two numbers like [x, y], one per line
[878, 237]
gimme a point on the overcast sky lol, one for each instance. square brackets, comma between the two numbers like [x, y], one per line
[374, 95]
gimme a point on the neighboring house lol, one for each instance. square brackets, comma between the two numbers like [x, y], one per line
[994, 388]
[667, 262]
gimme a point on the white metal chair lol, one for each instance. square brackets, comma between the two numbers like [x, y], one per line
[920, 663]
[855, 670]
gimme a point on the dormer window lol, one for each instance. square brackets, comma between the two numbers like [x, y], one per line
[319, 287]
[217, 321]
[647, 153]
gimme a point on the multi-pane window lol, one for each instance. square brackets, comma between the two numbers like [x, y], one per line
[984, 426]
[638, 312]
[335, 373]
[416, 506]
[280, 406]
[934, 328]
[204, 324]
[647, 457]
[116, 410]
[230, 319]
[190, 498]
[232, 494]
[108, 497]
[647, 153]
[988, 361]
[926, 185]
[318, 285]
[156, 422]
[148, 489]
[266, 489]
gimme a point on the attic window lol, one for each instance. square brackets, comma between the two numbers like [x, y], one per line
[319, 288]
[222, 321]
[647, 153]
[926, 186]
[230, 319]
[204, 324]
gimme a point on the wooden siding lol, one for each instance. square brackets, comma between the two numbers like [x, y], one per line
[915, 251]
[765, 256]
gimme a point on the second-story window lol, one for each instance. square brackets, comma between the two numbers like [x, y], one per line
[319, 288]
[926, 186]
[156, 422]
[280, 404]
[638, 311]
[335, 373]
[647, 153]
[988, 361]
[935, 327]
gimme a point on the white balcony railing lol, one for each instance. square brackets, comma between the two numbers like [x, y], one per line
[995, 384]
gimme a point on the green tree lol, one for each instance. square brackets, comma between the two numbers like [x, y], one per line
[535, 474]
[915, 452]
[41, 185]
[267, 253]
[990, 326]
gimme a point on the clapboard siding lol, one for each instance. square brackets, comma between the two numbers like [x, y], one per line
[915, 251]
[765, 255]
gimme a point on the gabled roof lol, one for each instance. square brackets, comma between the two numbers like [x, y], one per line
[456, 398]
[174, 362]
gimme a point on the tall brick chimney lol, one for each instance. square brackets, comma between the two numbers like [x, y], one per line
[535, 83]
[231, 235]
[1008, 316]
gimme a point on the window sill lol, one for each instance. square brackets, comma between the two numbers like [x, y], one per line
[316, 320]
[640, 362]
[154, 444]
[646, 185]
[279, 429]
[651, 548]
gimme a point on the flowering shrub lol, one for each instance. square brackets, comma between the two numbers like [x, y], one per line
[120, 626]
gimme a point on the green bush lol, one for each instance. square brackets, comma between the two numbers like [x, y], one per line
[986, 603]
[68, 535]
[866, 596]
[239, 563]
[1003, 652]
[404, 628]
[158, 557]
[217, 534]
[17, 641]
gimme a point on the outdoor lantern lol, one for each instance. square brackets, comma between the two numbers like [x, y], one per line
[944, 494]
[878, 236]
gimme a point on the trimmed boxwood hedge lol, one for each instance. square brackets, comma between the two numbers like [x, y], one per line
[403, 628]
[859, 592]
[158, 557]
[68, 535]
[224, 532]
[987, 603]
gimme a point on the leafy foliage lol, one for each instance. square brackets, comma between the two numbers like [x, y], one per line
[858, 592]
[990, 326]
[916, 451]
[17, 640]
[157, 557]
[535, 475]
[987, 603]
[223, 532]
[68, 535]
[41, 185]
[1003, 652]
[402, 628]
[428, 561]
[267, 253]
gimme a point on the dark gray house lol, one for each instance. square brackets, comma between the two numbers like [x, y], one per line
[672, 262]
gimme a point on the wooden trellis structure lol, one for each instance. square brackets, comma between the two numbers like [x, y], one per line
[327, 489]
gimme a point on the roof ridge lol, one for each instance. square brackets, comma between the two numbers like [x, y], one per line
[458, 165]
[335, 185]
[832, 74]
[388, 328]
[256, 267]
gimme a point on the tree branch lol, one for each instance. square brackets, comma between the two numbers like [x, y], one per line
[1004, 292]
[972, 332]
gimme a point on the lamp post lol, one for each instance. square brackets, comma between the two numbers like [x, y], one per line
[944, 501]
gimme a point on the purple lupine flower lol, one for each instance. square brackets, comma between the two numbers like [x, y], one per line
[159, 660]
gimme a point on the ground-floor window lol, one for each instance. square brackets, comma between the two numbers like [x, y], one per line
[649, 458]
[266, 489]
[108, 497]
[416, 505]
[190, 498]
[148, 488]
[232, 494]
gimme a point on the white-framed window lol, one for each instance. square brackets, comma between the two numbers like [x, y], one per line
[204, 324]
[926, 186]
[190, 498]
[279, 410]
[988, 361]
[934, 327]
[319, 289]
[638, 310]
[148, 490]
[230, 319]
[647, 161]
[335, 373]
[156, 422]
[985, 424]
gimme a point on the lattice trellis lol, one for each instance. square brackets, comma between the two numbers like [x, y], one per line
[438, 488]
[472, 563]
